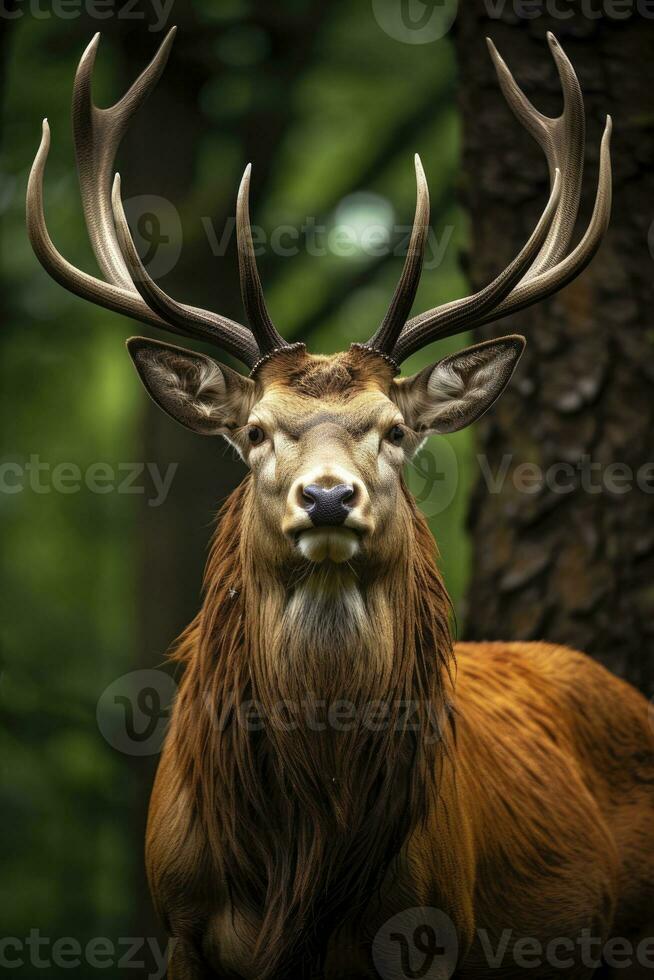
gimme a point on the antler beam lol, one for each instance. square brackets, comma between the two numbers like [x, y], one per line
[544, 265]
[127, 288]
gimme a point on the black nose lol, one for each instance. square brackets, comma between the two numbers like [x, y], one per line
[327, 507]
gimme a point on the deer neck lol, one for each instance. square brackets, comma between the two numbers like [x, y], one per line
[328, 690]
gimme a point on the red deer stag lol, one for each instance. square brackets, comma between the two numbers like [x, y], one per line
[328, 766]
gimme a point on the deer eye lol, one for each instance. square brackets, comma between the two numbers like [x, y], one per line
[395, 435]
[256, 435]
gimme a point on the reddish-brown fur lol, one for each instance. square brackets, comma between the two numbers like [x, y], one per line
[274, 853]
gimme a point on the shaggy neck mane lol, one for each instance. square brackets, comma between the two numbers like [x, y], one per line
[309, 726]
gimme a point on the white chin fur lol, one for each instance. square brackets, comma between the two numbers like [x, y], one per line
[337, 544]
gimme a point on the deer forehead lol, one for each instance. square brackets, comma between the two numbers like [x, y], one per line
[302, 418]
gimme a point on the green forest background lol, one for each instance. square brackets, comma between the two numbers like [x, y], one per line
[330, 110]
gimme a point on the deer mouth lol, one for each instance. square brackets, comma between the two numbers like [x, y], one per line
[335, 544]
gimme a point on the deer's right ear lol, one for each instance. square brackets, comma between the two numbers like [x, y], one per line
[456, 391]
[193, 389]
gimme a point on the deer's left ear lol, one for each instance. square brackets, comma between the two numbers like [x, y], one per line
[456, 391]
[198, 392]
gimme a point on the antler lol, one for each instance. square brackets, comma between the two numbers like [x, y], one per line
[256, 310]
[128, 289]
[542, 267]
[405, 291]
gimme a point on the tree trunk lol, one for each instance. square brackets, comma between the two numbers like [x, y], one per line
[566, 552]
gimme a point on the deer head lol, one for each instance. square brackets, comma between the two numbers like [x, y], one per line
[325, 437]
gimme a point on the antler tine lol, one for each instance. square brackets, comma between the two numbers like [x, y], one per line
[254, 302]
[562, 140]
[97, 134]
[453, 317]
[112, 297]
[555, 277]
[391, 326]
[193, 321]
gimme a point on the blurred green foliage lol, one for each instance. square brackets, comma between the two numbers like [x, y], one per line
[72, 808]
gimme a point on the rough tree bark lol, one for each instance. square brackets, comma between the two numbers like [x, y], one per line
[574, 567]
